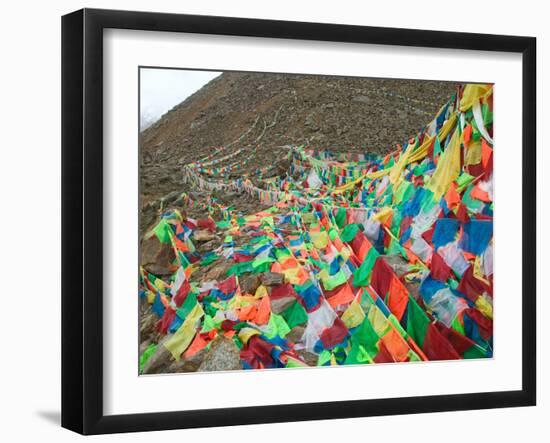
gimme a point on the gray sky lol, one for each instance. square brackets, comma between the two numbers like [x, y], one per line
[162, 89]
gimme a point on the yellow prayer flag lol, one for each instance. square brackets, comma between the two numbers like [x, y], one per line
[261, 292]
[448, 168]
[383, 215]
[246, 333]
[484, 304]
[183, 337]
[319, 239]
[354, 315]
[472, 93]
[378, 321]
[473, 154]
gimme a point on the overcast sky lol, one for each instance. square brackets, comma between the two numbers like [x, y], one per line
[162, 89]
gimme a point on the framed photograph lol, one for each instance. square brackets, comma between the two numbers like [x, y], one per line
[269, 221]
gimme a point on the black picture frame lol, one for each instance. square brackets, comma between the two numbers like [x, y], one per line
[82, 215]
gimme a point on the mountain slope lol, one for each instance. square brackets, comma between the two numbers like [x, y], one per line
[265, 111]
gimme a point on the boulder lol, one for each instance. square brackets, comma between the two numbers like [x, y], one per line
[249, 283]
[210, 245]
[272, 278]
[191, 364]
[147, 324]
[218, 270]
[203, 236]
[280, 304]
[295, 334]
[157, 257]
[309, 357]
[223, 355]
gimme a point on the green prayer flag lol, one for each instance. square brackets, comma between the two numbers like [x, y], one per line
[457, 325]
[341, 217]
[324, 357]
[262, 261]
[295, 315]
[417, 322]
[208, 259]
[361, 276]
[349, 232]
[393, 319]
[208, 324]
[163, 231]
[241, 268]
[277, 326]
[292, 363]
[357, 355]
[475, 351]
[187, 306]
[366, 336]
[463, 180]
[333, 281]
[146, 355]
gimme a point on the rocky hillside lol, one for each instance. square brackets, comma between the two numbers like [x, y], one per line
[261, 112]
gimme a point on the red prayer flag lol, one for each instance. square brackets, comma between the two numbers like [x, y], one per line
[383, 356]
[335, 334]
[281, 291]
[183, 290]
[228, 286]
[439, 269]
[166, 320]
[382, 274]
[470, 286]
[459, 341]
[437, 347]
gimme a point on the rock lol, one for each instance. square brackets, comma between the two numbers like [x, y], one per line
[210, 245]
[148, 322]
[280, 304]
[188, 365]
[203, 235]
[272, 279]
[143, 305]
[296, 333]
[157, 257]
[218, 270]
[143, 346]
[399, 265]
[148, 215]
[362, 99]
[223, 355]
[309, 357]
[249, 283]
[170, 198]
[160, 360]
